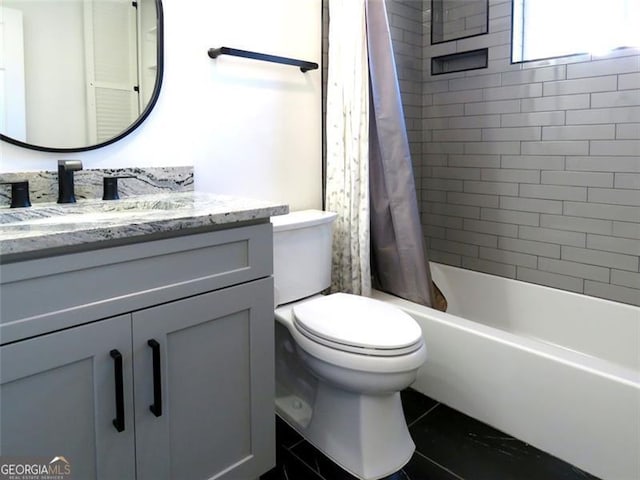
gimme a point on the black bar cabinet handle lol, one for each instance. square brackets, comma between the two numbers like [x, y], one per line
[118, 422]
[156, 407]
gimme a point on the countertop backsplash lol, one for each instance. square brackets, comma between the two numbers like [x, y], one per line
[43, 186]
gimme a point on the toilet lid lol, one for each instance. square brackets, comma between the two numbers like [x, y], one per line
[345, 321]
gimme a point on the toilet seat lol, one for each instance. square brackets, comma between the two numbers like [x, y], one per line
[359, 325]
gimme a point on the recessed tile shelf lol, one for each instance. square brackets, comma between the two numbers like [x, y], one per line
[460, 62]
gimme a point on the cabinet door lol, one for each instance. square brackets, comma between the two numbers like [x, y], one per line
[58, 399]
[217, 385]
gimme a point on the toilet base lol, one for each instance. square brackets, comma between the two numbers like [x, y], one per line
[366, 435]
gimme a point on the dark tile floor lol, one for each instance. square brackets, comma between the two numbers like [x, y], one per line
[449, 446]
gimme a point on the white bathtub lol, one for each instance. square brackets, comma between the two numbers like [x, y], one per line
[558, 370]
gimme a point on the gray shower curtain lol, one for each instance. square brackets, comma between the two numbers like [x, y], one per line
[399, 260]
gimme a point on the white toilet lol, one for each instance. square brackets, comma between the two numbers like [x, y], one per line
[341, 360]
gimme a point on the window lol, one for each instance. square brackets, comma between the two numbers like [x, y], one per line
[555, 28]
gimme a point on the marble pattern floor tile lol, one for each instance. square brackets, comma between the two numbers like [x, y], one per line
[449, 446]
[415, 405]
[475, 451]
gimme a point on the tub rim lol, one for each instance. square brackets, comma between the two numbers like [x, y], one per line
[573, 358]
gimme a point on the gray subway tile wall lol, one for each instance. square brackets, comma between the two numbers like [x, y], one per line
[529, 171]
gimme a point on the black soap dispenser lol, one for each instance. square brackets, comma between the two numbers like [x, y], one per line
[19, 194]
[110, 187]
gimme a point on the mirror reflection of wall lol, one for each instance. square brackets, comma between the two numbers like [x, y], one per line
[53, 61]
[12, 102]
[88, 69]
[147, 54]
[454, 19]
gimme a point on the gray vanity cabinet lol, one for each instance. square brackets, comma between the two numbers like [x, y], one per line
[217, 404]
[57, 398]
[195, 343]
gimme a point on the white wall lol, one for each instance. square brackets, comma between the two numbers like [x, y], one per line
[249, 128]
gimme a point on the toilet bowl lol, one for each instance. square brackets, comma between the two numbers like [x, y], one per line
[341, 359]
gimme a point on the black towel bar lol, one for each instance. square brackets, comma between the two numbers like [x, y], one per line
[304, 66]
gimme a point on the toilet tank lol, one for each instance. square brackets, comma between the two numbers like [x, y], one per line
[301, 254]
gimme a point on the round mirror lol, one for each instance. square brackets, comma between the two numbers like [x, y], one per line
[77, 74]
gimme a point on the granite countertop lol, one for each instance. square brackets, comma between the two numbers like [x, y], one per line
[51, 227]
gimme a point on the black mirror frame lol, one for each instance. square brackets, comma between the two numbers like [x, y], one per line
[134, 125]
[458, 38]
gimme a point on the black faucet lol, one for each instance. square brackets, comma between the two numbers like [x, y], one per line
[65, 180]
